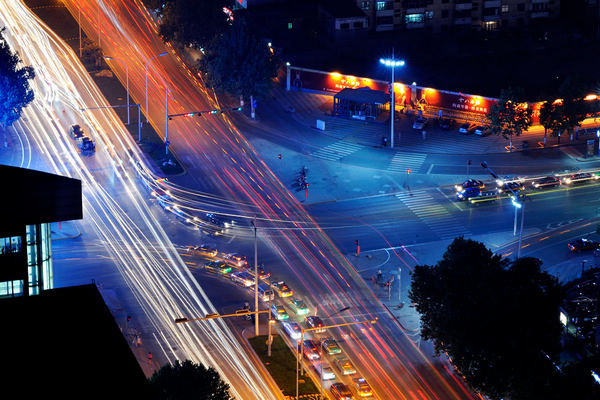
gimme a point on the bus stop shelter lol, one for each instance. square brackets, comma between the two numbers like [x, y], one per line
[362, 103]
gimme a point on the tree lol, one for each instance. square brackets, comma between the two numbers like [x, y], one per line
[496, 321]
[15, 92]
[188, 380]
[571, 112]
[240, 62]
[510, 115]
[192, 23]
[548, 118]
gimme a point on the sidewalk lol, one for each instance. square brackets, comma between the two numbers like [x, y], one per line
[306, 108]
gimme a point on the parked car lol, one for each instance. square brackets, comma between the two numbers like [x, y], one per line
[315, 322]
[419, 123]
[311, 350]
[447, 123]
[339, 391]
[345, 366]
[583, 244]
[547, 181]
[467, 128]
[468, 193]
[469, 183]
[482, 130]
[580, 178]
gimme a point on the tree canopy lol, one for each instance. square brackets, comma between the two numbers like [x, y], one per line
[188, 380]
[498, 322]
[190, 22]
[510, 115]
[15, 92]
[240, 62]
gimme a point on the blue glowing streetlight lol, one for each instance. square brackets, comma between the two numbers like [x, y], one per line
[392, 63]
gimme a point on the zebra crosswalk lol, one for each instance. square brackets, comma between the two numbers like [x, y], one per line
[336, 151]
[434, 215]
[403, 161]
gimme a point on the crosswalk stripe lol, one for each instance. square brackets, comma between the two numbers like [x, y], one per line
[336, 151]
[403, 161]
[435, 216]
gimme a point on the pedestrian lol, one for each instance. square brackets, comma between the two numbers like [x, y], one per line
[149, 358]
[138, 342]
[379, 275]
[385, 140]
[424, 134]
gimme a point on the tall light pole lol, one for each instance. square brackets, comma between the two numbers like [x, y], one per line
[256, 277]
[148, 61]
[520, 205]
[79, 23]
[127, 79]
[393, 63]
[167, 120]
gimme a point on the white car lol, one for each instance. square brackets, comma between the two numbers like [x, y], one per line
[293, 330]
[327, 370]
[419, 123]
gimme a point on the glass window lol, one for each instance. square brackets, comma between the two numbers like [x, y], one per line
[505, 8]
[414, 18]
[345, 26]
[429, 14]
[365, 5]
[358, 25]
[384, 5]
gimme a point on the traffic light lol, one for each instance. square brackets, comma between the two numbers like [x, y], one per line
[408, 171]
[214, 111]
[279, 156]
[356, 242]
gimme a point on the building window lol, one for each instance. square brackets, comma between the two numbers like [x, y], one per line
[358, 25]
[345, 25]
[444, 13]
[290, 25]
[414, 18]
[384, 5]
[505, 8]
[491, 25]
[388, 20]
[11, 288]
[521, 7]
[365, 5]
[10, 245]
[429, 14]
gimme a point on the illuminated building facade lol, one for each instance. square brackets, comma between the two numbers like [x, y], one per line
[456, 15]
[31, 201]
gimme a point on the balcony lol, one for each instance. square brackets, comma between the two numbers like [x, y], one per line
[384, 13]
[462, 21]
[489, 18]
[464, 6]
[492, 3]
[415, 25]
[539, 14]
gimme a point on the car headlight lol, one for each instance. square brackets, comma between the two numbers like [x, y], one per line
[536, 185]
[458, 188]
[568, 180]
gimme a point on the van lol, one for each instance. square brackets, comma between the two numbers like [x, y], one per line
[265, 293]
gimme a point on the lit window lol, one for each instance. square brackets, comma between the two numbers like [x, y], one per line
[384, 5]
[289, 25]
[365, 5]
[414, 18]
[504, 8]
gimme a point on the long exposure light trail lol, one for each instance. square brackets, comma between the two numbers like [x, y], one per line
[114, 205]
[221, 161]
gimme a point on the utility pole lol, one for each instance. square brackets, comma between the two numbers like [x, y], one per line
[256, 279]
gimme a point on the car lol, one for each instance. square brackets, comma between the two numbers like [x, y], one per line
[76, 132]
[447, 123]
[218, 267]
[467, 128]
[298, 306]
[282, 289]
[202, 250]
[485, 196]
[324, 370]
[330, 346]
[583, 244]
[293, 330]
[362, 387]
[345, 366]
[86, 144]
[339, 391]
[482, 130]
[314, 322]
[515, 186]
[419, 123]
[279, 312]
[468, 184]
[311, 350]
[262, 274]
[580, 177]
[243, 278]
[468, 193]
[236, 259]
[547, 181]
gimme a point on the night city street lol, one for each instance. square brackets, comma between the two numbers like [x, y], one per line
[239, 206]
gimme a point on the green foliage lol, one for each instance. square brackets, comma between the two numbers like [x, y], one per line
[15, 92]
[240, 62]
[549, 117]
[497, 322]
[188, 380]
[510, 116]
[192, 23]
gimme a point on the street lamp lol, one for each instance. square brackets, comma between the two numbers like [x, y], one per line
[127, 79]
[598, 136]
[520, 205]
[253, 222]
[148, 61]
[393, 63]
